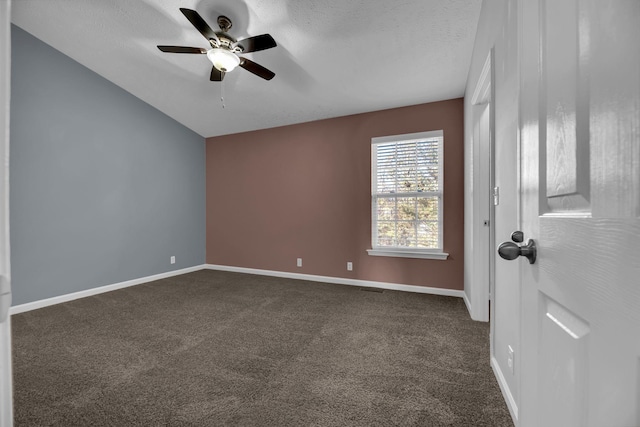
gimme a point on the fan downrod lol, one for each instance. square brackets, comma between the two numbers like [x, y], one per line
[224, 23]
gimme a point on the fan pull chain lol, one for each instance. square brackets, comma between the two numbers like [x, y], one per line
[222, 93]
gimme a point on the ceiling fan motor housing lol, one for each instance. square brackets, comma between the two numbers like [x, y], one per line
[225, 41]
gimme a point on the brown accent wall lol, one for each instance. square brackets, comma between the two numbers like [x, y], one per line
[304, 191]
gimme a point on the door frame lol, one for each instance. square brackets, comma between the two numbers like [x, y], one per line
[482, 236]
[6, 389]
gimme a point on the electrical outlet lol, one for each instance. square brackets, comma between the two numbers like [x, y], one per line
[510, 359]
[299, 262]
[349, 266]
[173, 259]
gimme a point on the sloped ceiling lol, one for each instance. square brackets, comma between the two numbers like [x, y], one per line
[334, 57]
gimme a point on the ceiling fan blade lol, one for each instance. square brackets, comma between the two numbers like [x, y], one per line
[182, 49]
[254, 44]
[256, 69]
[200, 24]
[216, 75]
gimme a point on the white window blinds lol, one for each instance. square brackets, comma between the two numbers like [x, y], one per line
[407, 191]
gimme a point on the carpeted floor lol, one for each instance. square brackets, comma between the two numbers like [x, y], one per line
[214, 348]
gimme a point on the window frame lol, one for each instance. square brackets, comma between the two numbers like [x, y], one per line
[404, 251]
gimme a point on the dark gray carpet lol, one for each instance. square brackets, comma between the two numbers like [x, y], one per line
[214, 348]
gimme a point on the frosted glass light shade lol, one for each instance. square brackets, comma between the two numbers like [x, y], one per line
[223, 60]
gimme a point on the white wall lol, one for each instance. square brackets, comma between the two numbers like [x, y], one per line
[497, 30]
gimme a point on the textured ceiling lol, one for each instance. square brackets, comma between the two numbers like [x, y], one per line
[334, 57]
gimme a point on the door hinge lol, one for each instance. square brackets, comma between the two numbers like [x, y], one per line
[496, 196]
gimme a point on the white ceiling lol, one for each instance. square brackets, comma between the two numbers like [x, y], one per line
[334, 57]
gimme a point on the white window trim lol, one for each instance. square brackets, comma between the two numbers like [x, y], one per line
[406, 253]
[403, 252]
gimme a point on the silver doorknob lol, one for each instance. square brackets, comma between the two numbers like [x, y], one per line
[511, 251]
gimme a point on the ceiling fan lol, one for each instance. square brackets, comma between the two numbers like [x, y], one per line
[224, 48]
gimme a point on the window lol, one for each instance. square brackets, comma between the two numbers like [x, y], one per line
[406, 195]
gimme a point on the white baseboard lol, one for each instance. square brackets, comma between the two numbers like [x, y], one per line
[506, 392]
[465, 298]
[81, 294]
[310, 277]
[340, 280]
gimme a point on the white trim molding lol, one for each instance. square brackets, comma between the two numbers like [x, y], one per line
[506, 392]
[340, 280]
[467, 303]
[482, 91]
[95, 291]
[309, 277]
[403, 253]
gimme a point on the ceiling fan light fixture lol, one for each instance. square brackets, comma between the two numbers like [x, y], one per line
[223, 59]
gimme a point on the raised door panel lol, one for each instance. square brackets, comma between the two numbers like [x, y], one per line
[565, 108]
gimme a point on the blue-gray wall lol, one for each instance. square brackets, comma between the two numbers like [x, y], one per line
[104, 188]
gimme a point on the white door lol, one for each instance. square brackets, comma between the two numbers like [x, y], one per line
[580, 195]
[6, 413]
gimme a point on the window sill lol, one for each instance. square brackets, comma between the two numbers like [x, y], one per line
[401, 253]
